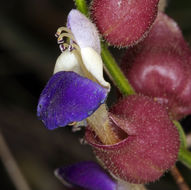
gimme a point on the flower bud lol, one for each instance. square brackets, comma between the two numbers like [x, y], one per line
[124, 23]
[149, 142]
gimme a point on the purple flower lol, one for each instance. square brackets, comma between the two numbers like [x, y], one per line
[89, 175]
[77, 87]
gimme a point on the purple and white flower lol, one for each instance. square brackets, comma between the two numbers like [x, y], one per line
[77, 87]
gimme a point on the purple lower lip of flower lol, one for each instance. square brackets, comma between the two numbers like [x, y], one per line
[68, 97]
[86, 175]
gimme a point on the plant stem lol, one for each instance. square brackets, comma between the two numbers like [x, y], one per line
[181, 133]
[82, 6]
[114, 71]
[185, 157]
[179, 179]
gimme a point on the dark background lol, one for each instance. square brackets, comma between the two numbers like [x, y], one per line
[28, 51]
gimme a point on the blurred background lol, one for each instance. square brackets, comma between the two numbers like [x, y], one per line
[28, 51]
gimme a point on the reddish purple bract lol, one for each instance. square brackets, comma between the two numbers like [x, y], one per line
[124, 22]
[159, 67]
[150, 145]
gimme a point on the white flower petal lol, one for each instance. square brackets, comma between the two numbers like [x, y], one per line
[93, 63]
[68, 61]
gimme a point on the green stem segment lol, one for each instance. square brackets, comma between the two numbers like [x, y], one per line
[82, 6]
[114, 71]
[126, 89]
[185, 157]
[181, 134]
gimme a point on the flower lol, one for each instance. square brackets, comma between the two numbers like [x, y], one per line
[89, 175]
[77, 87]
[148, 141]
